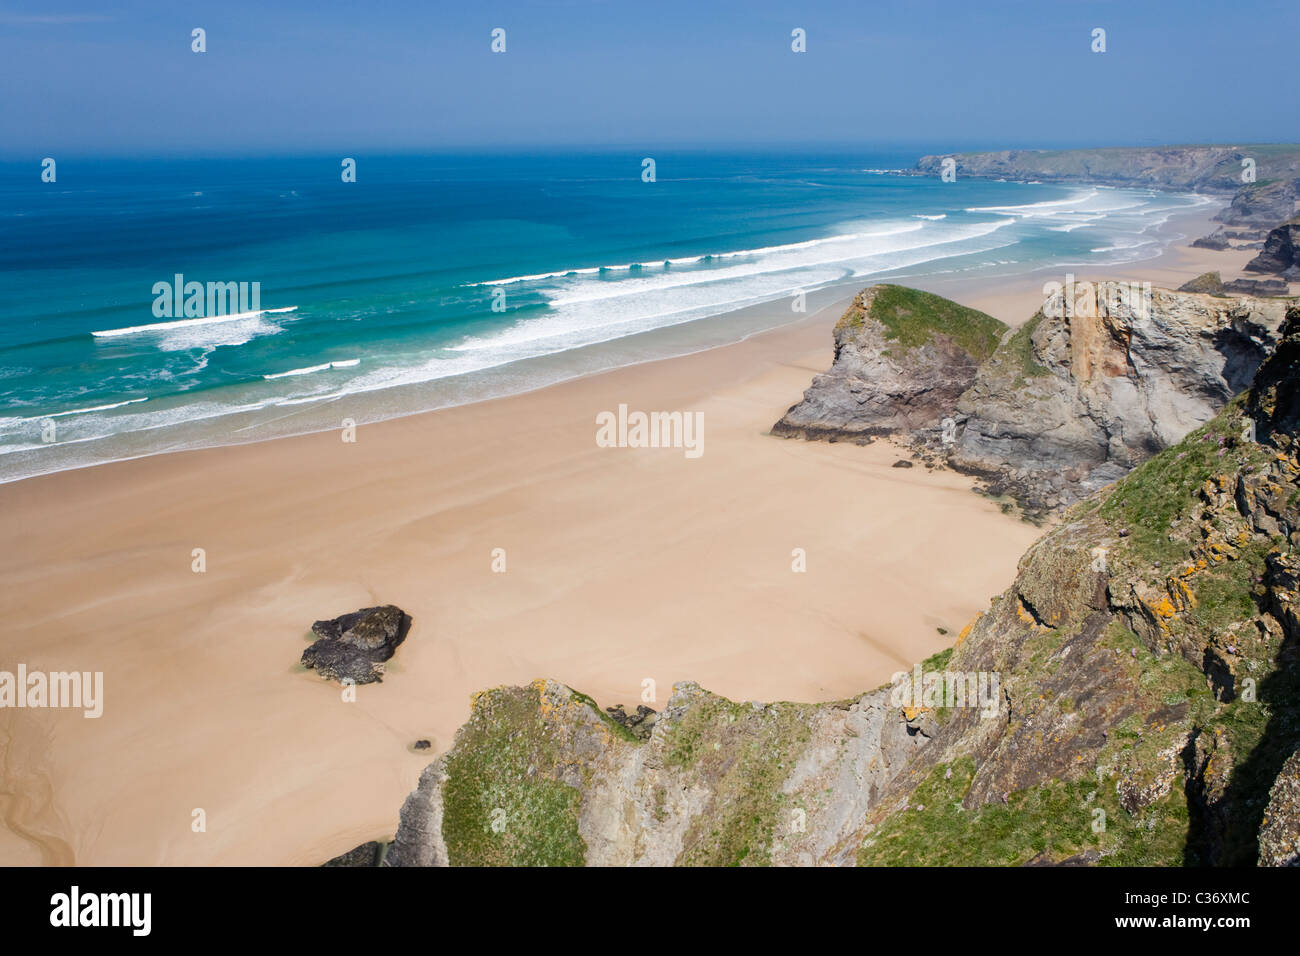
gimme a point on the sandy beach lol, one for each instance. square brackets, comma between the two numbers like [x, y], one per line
[622, 564]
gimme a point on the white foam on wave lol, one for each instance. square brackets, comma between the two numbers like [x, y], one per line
[1037, 208]
[1123, 246]
[95, 427]
[189, 323]
[889, 230]
[921, 215]
[660, 299]
[80, 411]
[344, 363]
[587, 311]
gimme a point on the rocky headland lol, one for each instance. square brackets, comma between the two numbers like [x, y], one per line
[1263, 194]
[1261, 204]
[1208, 168]
[1104, 376]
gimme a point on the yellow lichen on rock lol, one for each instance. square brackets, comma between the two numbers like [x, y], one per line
[970, 626]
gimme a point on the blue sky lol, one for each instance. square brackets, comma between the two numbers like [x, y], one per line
[105, 77]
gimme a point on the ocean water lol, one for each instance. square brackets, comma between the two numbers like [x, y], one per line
[377, 297]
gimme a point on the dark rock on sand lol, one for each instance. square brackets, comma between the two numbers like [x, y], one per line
[1217, 240]
[1207, 283]
[354, 647]
[640, 723]
[1256, 287]
[1281, 252]
[422, 745]
[902, 463]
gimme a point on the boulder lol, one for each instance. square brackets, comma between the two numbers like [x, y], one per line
[639, 724]
[1217, 240]
[1207, 283]
[355, 646]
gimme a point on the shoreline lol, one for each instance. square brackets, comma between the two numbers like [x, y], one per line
[206, 709]
[530, 375]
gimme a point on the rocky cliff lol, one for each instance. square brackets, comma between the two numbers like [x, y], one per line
[1132, 698]
[1207, 168]
[1261, 204]
[1281, 252]
[902, 358]
[1103, 377]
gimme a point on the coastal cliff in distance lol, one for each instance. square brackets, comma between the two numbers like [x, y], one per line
[1101, 378]
[1192, 168]
[1134, 699]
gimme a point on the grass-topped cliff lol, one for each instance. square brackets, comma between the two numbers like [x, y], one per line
[912, 318]
[902, 358]
[1071, 400]
[1147, 709]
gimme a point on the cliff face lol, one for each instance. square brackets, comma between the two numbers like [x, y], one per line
[1209, 168]
[1090, 387]
[540, 777]
[1261, 204]
[1072, 400]
[902, 358]
[1281, 252]
[1136, 700]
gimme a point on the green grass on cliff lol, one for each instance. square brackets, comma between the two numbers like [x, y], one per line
[1151, 501]
[1020, 349]
[744, 754]
[1052, 822]
[912, 318]
[501, 804]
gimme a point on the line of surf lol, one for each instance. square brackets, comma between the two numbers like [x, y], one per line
[707, 257]
[189, 323]
[342, 363]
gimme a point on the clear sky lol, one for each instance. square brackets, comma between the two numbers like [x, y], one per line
[108, 77]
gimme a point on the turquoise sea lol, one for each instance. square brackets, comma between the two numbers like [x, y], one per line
[377, 296]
